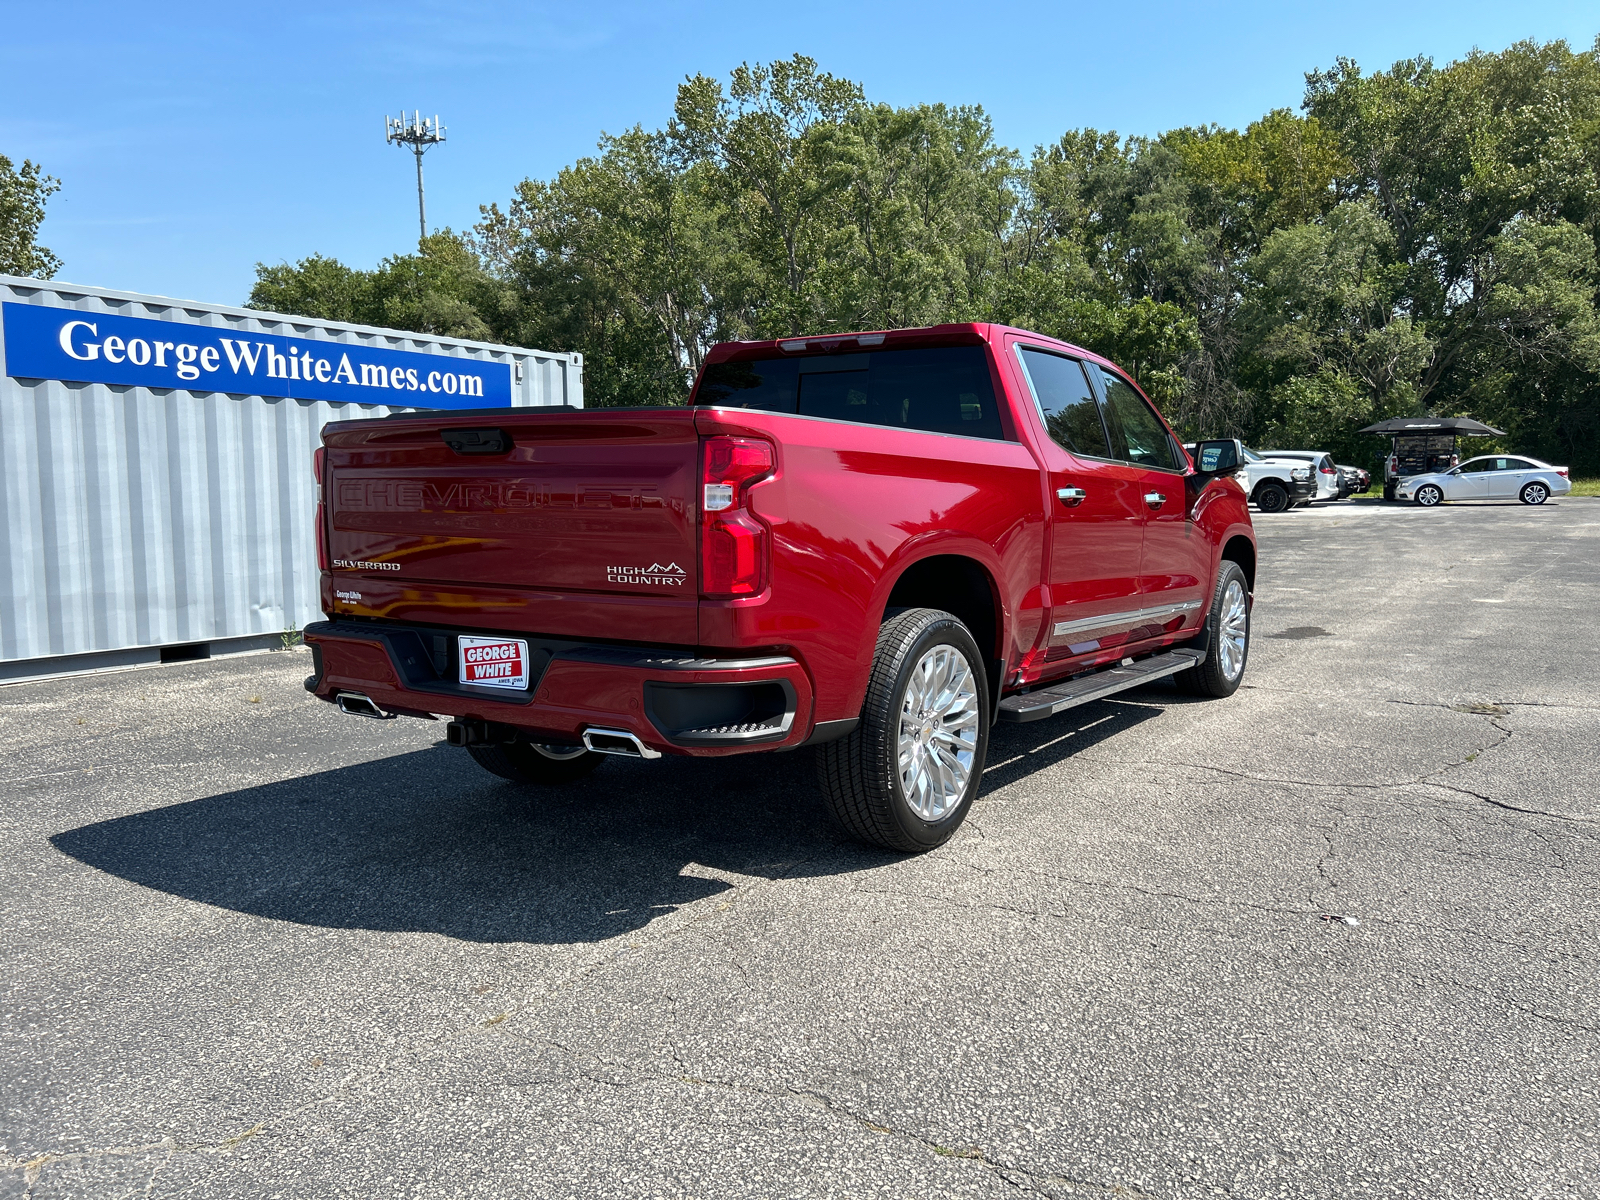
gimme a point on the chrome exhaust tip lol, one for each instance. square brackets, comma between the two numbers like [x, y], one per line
[358, 705]
[617, 741]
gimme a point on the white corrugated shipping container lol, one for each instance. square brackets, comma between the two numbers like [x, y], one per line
[154, 507]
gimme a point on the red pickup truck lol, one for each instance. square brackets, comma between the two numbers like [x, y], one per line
[875, 544]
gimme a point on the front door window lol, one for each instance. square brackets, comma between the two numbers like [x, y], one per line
[1097, 514]
[1175, 568]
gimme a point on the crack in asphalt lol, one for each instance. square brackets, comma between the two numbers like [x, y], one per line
[1427, 779]
[1525, 1009]
[1027, 1178]
[32, 1169]
[1313, 909]
[1013, 1174]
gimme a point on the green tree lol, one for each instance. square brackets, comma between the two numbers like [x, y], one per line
[442, 289]
[1330, 297]
[1417, 239]
[625, 255]
[313, 287]
[24, 191]
[764, 137]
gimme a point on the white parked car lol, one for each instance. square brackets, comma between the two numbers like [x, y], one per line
[1323, 470]
[1273, 486]
[1492, 477]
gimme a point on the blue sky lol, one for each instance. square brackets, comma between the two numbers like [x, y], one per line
[193, 141]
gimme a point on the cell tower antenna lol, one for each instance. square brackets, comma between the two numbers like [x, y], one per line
[419, 133]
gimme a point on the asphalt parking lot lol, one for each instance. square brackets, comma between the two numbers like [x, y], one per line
[253, 947]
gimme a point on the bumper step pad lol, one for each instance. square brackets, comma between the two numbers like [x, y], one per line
[1048, 701]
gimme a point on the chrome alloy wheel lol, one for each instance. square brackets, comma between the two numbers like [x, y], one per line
[1535, 493]
[1233, 631]
[938, 733]
[1428, 496]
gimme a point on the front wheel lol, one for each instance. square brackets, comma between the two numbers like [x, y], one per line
[1534, 493]
[906, 777]
[1271, 498]
[528, 762]
[1428, 495]
[1228, 643]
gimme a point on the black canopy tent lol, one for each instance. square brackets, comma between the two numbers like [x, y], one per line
[1454, 426]
[1424, 444]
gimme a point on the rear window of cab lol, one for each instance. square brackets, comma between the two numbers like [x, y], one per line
[941, 389]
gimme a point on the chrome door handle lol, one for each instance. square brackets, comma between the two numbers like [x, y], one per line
[1154, 499]
[1071, 497]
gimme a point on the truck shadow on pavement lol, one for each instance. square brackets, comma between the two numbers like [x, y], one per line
[428, 842]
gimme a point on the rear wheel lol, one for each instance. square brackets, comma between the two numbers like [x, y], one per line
[1228, 643]
[1428, 495]
[906, 777]
[1388, 491]
[1271, 498]
[527, 762]
[1534, 493]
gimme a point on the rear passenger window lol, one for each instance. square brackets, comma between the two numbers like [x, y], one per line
[765, 385]
[942, 389]
[1066, 402]
[1137, 434]
[837, 386]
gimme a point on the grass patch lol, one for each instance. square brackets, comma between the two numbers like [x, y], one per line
[1586, 487]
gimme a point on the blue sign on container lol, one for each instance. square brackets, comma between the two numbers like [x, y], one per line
[42, 342]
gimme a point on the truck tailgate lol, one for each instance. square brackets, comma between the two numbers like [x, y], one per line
[565, 523]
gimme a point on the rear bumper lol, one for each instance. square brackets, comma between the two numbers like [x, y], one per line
[672, 701]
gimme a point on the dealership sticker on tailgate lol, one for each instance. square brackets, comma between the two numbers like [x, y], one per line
[494, 662]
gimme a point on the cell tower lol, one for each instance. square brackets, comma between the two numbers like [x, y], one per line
[419, 133]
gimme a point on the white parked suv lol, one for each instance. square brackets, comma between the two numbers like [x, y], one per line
[1324, 472]
[1492, 477]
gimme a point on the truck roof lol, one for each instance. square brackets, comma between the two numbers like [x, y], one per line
[968, 333]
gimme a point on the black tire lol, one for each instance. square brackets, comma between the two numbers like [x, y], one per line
[859, 774]
[523, 762]
[1428, 496]
[1534, 493]
[1272, 498]
[1211, 677]
[1388, 492]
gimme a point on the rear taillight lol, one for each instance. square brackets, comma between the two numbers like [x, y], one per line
[733, 540]
[1326, 470]
[1562, 471]
[319, 460]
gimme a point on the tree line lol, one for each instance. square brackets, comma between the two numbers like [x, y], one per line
[1416, 240]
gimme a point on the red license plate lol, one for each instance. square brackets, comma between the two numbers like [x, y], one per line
[494, 662]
